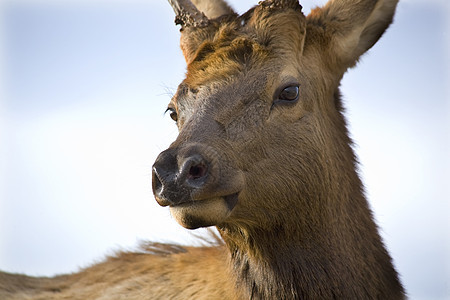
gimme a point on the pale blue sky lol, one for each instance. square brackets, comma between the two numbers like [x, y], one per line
[85, 85]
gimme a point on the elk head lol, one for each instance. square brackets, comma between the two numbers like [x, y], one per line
[261, 137]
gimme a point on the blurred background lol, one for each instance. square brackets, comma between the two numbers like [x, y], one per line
[84, 87]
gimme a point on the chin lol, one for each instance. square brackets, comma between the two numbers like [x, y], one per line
[202, 213]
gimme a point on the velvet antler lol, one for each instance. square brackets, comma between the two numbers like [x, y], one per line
[187, 14]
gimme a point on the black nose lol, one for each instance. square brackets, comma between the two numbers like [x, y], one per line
[175, 179]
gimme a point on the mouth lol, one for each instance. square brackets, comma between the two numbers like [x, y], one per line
[204, 213]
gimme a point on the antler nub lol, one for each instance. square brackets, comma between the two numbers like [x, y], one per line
[187, 14]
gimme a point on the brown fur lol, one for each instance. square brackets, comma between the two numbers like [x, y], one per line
[151, 273]
[281, 183]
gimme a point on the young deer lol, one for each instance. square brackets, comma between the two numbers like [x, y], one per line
[263, 154]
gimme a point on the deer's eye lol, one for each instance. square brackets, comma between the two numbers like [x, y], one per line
[173, 113]
[288, 94]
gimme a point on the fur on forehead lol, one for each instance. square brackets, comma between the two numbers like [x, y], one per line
[234, 43]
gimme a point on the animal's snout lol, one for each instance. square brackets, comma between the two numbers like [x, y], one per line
[199, 182]
[176, 179]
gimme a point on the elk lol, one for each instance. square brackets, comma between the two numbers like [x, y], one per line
[264, 155]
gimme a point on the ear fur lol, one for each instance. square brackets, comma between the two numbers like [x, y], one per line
[192, 37]
[353, 26]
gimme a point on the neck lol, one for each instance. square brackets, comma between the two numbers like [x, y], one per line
[344, 259]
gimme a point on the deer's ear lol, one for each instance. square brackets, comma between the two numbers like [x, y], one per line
[192, 38]
[213, 9]
[352, 26]
[198, 23]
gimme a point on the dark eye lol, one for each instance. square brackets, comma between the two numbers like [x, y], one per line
[173, 113]
[289, 93]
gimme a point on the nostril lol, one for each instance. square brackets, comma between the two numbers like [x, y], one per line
[197, 171]
[194, 171]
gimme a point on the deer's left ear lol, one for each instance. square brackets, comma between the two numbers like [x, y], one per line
[195, 17]
[352, 26]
